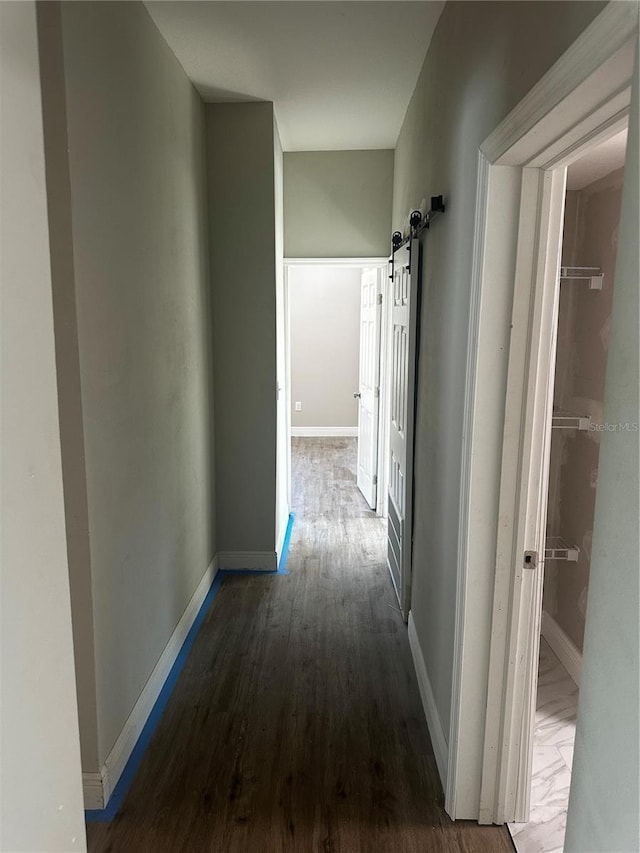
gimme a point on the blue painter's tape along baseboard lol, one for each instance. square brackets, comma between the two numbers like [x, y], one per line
[124, 782]
[282, 564]
[119, 792]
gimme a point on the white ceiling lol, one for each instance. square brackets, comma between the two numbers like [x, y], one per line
[599, 161]
[340, 74]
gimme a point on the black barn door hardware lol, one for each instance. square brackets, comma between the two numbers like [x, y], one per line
[417, 224]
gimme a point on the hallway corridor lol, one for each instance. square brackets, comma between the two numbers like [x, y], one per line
[296, 724]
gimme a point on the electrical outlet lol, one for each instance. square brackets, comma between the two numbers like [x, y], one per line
[298, 406]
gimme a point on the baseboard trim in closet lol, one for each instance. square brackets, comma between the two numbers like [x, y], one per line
[563, 648]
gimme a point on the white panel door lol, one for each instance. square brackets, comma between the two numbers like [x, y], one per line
[402, 383]
[369, 391]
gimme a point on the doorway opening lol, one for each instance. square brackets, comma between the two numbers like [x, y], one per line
[337, 353]
[585, 295]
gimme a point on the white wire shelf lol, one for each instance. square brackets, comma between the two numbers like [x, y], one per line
[557, 549]
[593, 275]
[569, 420]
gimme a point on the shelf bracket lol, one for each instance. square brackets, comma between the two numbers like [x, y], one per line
[593, 275]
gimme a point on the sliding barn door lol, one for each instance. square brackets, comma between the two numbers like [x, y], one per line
[403, 369]
[369, 384]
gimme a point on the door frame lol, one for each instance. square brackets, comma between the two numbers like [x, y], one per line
[582, 100]
[383, 265]
[373, 277]
[385, 395]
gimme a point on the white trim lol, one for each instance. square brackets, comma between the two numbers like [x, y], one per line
[117, 759]
[382, 496]
[600, 125]
[438, 739]
[336, 262]
[319, 431]
[256, 561]
[523, 499]
[93, 790]
[600, 41]
[567, 653]
[287, 345]
[489, 336]
[284, 525]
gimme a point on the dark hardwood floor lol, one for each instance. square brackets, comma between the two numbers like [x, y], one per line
[296, 724]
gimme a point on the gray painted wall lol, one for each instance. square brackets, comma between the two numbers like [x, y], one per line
[324, 305]
[132, 240]
[41, 804]
[337, 204]
[482, 60]
[240, 162]
[603, 807]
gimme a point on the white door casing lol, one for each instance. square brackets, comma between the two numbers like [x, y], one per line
[517, 610]
[384, 416]
[402, 389]
[524, 491]
[369, 384]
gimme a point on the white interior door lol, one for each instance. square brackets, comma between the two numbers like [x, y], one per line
[368, 393]
[402, 383]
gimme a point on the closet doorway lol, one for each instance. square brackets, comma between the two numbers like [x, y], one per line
[522, 184]
[587, 274]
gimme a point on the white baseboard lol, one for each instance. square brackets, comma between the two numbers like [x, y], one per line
[436, 731]
[93, 790]
[326, 432]
[564, 649]
[257, 561]
[117, 759]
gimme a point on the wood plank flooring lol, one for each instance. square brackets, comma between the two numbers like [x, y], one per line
[296, 724]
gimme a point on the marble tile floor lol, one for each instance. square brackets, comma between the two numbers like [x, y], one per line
[555, 729]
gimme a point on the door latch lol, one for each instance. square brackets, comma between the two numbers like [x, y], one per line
[530, 560]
